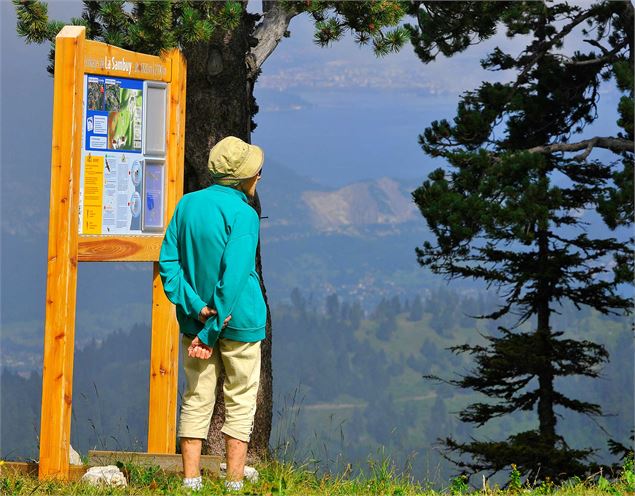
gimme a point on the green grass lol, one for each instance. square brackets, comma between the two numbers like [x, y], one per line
[278, 479]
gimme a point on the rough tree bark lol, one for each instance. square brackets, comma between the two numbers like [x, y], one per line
[220, 103]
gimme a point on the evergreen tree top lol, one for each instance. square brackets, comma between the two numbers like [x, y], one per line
[153, 26]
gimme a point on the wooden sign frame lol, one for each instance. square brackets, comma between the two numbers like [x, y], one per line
[74, 57]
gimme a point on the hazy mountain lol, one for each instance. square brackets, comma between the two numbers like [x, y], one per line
[383, 201]
[357, 241]
[292, 200]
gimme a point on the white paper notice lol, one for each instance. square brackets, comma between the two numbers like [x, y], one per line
[123, 211]
[124, 190]
[100, 124]
[98, 142]
[110, 190]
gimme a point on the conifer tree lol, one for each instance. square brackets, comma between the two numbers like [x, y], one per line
[510, 210]
[225, 47]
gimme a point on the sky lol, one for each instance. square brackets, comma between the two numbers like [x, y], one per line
[336, 115]
[350, 115]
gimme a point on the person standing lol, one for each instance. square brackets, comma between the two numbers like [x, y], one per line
[207, 265]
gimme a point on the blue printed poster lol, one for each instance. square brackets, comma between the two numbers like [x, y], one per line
[114, 114]
[121, 191]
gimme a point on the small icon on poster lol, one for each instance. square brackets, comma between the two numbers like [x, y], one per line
[135, 204]
[135, 173]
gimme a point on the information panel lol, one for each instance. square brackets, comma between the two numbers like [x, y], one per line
[115, 197]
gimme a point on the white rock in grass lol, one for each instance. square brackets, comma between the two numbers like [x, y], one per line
[251, 474]
[109, 475]
[74, 458]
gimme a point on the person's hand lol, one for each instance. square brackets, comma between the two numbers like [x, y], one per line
[198, 349]
[207, 312]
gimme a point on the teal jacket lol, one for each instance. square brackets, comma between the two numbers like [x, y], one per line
[208, 257]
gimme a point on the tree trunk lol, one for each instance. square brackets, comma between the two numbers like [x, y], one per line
[220, 103]
[546, 415]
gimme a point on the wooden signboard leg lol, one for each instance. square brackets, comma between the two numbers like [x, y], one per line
[164, 371]
[61, 280]
[165, 330]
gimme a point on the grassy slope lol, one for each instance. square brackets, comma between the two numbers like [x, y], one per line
[277, 478]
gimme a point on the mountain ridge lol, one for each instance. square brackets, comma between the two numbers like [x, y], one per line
[293, 200]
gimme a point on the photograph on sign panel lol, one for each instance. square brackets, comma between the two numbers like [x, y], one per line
[95, 94]
[124, 130]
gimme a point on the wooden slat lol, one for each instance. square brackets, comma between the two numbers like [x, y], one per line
[165, 333]
[167, 462]
[100, 58]
[61, 283]
[119, 248]
[75, 472]
[164, 363]
[176, 133]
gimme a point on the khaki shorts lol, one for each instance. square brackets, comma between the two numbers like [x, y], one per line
[241, 362]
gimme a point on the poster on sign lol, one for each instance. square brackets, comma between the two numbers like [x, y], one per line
[113, 160]
[114, 114]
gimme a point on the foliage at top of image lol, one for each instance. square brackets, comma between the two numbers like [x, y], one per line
[370, 22]
[146, 26]
[153, 26]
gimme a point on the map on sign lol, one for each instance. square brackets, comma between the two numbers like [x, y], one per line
[114, 114]
[113, 185]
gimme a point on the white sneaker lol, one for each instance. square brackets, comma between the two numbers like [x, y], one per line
[194, 483]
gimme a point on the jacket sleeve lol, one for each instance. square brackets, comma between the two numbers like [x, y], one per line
[237, 263]
[176, 287]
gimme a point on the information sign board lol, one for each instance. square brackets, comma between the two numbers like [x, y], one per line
[112, 197]
[114, 186]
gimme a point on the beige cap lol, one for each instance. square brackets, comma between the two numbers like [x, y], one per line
[232, 159]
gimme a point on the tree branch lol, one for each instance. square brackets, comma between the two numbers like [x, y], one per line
[616, 145]
[608, 57]
[269, 33]
[597, 44]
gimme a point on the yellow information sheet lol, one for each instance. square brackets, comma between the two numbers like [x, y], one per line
[93, 194]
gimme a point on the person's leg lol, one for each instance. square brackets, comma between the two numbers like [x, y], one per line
[191, 453]
[236, 456]
[242, 375]
[196, 408]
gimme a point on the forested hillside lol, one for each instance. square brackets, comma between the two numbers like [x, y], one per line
[347, 383]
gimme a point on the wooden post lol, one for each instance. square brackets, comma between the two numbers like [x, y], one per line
[164, 354]
[164, 371]
[61, 285]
